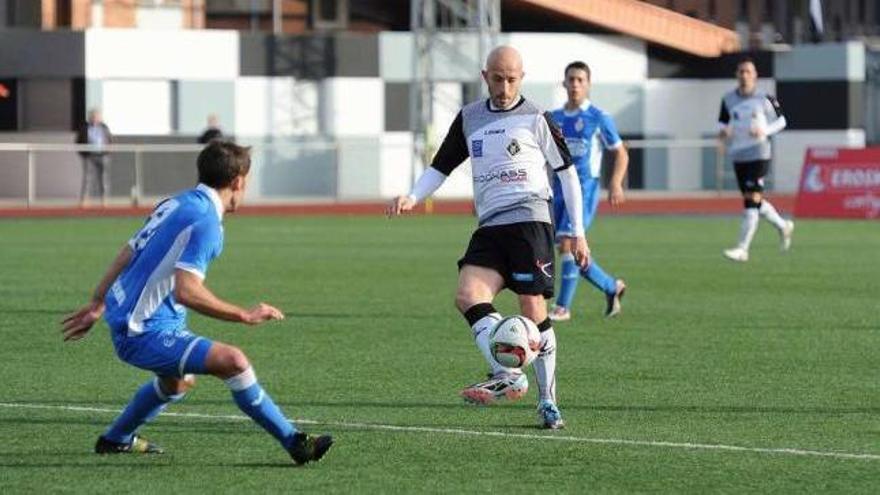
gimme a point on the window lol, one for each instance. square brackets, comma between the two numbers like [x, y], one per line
[329, 14]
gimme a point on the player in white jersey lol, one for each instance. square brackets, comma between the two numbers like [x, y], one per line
[509, 142]
[143, 297]
[747, 119]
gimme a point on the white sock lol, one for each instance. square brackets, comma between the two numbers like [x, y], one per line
[748, 227]
[545, 366]
[771, 215]
[481, 337]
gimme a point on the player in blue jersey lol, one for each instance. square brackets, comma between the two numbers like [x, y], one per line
[143, 297]
[588, 130]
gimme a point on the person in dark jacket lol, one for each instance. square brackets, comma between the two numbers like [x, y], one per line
[212, 132]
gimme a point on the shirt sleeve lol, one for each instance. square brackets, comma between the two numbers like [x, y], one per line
[610, 136]
[552, 142]
[454, 149]
[203, 246]
[772, 109]
[723, 115]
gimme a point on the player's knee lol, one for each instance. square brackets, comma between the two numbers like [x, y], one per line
[233, 361]
[533, 308]
[238, 362]
[750, 202]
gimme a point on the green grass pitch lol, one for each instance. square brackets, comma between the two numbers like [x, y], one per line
[712, 371]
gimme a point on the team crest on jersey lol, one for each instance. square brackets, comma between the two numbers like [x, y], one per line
[477, 148]
[579, 124]
[513, 148]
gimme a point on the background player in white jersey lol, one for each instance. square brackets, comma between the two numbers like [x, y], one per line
[747, 119]
[143, 297]
[510, 142]
[587, 130]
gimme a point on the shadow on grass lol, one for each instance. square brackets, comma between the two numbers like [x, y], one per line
[294, 406]
[387, 315]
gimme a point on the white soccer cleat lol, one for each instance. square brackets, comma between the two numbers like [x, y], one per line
[737, 254]
[559, 313]
[510, 386]
[785, 234]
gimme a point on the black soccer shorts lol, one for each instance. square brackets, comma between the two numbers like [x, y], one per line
[522, 253]
[750, 175]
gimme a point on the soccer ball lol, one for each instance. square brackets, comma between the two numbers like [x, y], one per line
[515, 341]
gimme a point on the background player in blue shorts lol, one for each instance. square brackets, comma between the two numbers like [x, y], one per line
[143, 297]
[587, 131]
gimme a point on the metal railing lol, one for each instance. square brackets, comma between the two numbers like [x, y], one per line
[304, 170]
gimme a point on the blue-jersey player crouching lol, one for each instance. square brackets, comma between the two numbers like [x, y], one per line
[144, 296]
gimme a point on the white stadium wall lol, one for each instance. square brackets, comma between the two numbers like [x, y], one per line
[146, 54]
[343, 122]
[137, 107]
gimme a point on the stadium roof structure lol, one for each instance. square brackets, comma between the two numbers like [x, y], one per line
[648, 22]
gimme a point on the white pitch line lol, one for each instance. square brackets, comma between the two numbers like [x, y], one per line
[498, 434]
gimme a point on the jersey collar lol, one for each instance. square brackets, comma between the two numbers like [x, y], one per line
[492, 108]
[215, 198]
[571, 113]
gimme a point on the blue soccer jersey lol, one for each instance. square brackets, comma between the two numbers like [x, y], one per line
[183, 232]
[588, 131]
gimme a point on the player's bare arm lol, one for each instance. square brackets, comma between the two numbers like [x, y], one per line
[615, 186]
[77, 324]
[190, 291]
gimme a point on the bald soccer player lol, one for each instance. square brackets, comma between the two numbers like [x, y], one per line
[510, 142]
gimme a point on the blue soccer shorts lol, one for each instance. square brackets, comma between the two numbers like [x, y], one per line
[590, 189]
[172, 353]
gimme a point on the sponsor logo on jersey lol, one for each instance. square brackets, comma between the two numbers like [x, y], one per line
[513, 148]
[477, 148]
[489, 132]
[523, 277]
[505, 176]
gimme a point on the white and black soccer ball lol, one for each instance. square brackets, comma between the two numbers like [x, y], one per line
[515, 341]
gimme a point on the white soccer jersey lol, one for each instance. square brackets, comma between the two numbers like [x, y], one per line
[509, 151]
[742, 112]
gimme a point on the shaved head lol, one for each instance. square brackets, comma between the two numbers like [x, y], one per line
[503, 75]
[504, 57]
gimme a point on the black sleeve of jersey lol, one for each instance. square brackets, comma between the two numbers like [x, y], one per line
[723, 116]
[454, 149]
[776, 106]
[559, 139]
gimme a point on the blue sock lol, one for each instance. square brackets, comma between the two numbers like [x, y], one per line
[146, 404]
[256, 403]
[569, 276]
[601, 280]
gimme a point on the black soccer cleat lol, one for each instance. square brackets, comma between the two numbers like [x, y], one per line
[613, 306]
[306, 448]
[138, 445]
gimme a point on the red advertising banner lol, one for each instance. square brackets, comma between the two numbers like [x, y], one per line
[840, 183]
